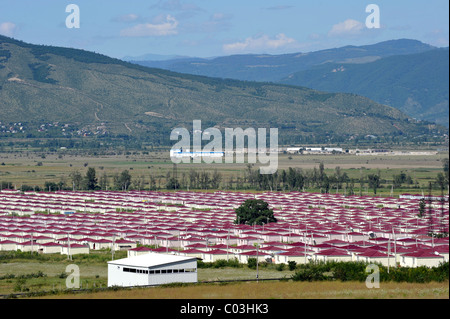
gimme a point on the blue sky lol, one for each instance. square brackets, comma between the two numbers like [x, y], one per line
[207, 28]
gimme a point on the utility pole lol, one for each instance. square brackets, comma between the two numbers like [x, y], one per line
[112, 248]
[257, 268]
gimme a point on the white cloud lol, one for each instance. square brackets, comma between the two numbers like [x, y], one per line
[7, 29]
[126, 18]
[165, 28]
[264, 42]
[349, 27]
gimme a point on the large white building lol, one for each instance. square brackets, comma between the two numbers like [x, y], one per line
[152, 269]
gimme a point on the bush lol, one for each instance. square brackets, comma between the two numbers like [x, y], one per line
[308, 274]
[292, 265]
[251, 263]
[356, 271]
[280, 267]
[349, 271]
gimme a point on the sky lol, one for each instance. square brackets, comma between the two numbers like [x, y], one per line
[210, 28]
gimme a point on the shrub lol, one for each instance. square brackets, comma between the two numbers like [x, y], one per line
[280, 267]
[251, 263]
[308, 274]
[292, 265]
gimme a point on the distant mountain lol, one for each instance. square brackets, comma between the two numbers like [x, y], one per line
[90, 93]
[154, 57]
[273, 68]
[416, 84]
[416, 94]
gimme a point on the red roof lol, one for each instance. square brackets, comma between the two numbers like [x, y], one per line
[142, 248]
[333, 252]
[373, 253]
[191, 251]
[8, 242]
[217, 252]
[293, 253]
[50, 244]
[423, 254]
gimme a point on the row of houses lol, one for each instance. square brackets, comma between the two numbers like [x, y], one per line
[310, 226]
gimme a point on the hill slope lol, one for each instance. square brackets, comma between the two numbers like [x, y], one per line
[88, 91]
[416, 84]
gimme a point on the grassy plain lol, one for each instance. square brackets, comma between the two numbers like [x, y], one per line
[94, 274]
[35, 169]
[279, 290]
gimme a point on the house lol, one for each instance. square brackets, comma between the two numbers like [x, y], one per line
[152, 269]
[8, 245]
[49, 248]
[216, 254]
[375, 256]
[74, 249]
[191, 253]
[97, 244]
[123, 244]
[419, 258]
[28, 246]
[138, 251]
[332, 254]
[442, 250]
[260, 256]
[295, 255]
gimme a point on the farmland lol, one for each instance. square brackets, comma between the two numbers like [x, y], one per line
[149, 170]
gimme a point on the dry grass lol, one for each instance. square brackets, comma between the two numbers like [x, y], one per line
[23, 169]
[278, 290]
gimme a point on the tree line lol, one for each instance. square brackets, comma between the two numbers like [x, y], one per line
[291, 179]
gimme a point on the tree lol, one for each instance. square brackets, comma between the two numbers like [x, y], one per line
[122, 181]
[172, 183]
[77, 180]
[446, 170]
[91, 179]
[422, 208]
[216, 179]
[104, 181]
[254, 211]
[374, 182]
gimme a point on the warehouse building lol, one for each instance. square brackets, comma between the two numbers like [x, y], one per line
[152, 269]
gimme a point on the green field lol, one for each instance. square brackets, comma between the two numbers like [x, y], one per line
[50, 274]
[35, 169]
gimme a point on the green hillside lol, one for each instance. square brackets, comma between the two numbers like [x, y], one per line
[417, 84]
[88, 94]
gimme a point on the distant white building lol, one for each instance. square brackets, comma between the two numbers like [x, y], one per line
[152, 269]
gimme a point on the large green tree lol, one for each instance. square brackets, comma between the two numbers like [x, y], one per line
[254, 211]
[91, 179]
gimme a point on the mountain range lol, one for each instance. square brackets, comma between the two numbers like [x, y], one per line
[95, 94]
[406, 74]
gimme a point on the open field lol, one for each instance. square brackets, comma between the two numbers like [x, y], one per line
[95, 275]
[277, 290]
[34, 169]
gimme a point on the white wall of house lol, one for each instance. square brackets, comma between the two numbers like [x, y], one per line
[409, 261]
[185, 272]
[8, 246]
[285, 259]
[74, 250]
[50, 249]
